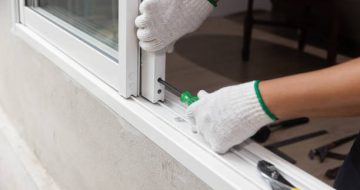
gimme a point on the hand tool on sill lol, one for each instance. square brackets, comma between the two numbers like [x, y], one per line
[274, 177]
[185, 96]
[296, 139]
[323, 152]
[336, 156]
[274, 147]
[263, 134]
[282, 155]
[332, 173]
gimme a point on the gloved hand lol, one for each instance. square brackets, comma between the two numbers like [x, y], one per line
[230, 115]
[162, 22]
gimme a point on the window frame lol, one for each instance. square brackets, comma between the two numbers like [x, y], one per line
[121, 74]
[164, 123]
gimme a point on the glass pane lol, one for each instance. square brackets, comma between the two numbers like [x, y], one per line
[93, 21]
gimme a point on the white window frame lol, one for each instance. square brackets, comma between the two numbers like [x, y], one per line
[164, 123]
[121, 74]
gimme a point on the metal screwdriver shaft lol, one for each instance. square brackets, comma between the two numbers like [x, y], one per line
[170, 87]
[185, 96]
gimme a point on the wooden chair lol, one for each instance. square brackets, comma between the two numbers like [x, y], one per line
[302, 26]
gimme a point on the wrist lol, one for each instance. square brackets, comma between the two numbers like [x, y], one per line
[275, 97]
[246, 104]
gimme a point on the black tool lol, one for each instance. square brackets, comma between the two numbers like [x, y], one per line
[263, 134]
[297, 139]
[336, 156]
[274, 146]
[332, 173]
[323, 151]
[273, 175]
[282, 155]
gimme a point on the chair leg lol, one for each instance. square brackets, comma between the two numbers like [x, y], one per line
[333, 38]
[302, 39]
[332, 48]
[247, 31]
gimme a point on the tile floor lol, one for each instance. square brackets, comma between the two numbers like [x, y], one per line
[210, 58]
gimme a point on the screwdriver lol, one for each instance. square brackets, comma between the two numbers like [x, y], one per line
[185, 96]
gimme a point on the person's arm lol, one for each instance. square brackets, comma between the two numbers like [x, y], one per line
[232, 114]
[330, 92]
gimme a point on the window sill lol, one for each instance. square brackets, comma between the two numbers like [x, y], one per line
[163, 123]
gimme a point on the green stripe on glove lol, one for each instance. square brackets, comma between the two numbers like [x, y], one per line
[213, 2]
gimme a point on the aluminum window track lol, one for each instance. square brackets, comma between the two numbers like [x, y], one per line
[241, 160]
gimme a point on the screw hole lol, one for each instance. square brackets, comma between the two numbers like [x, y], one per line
[159, 91]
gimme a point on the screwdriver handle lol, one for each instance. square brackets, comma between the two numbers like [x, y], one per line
[187, 98]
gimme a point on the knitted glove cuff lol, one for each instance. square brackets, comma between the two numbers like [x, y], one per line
[262, 103]
[248, 96]
[213, 2]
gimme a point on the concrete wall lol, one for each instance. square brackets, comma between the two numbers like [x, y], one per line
[13, 175]
[81, 143]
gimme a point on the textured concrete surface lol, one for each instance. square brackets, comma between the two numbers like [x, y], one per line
[13, 176]
[81, 143]
[19, 167]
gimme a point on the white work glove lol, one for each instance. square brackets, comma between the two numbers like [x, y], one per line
[162, 22]
[229, 116]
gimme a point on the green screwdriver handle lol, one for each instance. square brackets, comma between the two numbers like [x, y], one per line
[187, 98]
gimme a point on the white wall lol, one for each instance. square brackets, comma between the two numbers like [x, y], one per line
[226, 7]
[83, 144]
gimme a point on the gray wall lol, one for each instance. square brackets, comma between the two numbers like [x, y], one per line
[81, 143]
